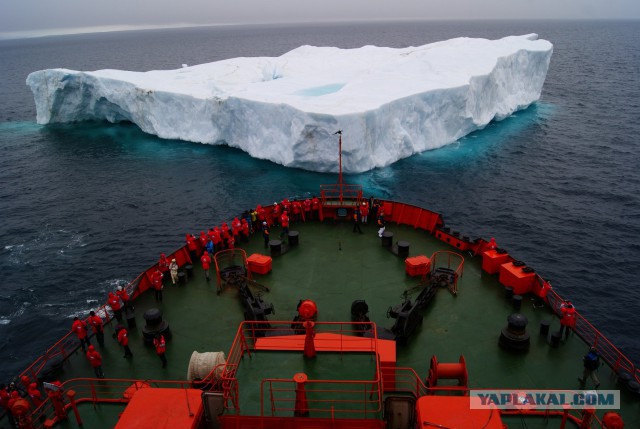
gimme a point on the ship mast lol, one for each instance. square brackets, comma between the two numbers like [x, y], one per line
[339, 132]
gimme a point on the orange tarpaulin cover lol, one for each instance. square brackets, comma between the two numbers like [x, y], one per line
[162, 408]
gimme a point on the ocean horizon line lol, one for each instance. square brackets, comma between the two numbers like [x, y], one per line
[70, 31]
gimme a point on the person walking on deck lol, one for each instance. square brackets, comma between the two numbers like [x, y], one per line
[161, 347]
[95, 359]
[206, 263]
[123, 338]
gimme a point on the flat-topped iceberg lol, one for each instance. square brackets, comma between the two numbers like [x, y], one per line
[390, 103]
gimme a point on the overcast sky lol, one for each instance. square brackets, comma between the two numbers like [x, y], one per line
[42, 16]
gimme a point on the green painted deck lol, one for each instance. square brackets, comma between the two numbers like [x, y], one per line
[334, 266]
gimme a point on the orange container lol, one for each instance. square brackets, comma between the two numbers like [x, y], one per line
[417, 265]
[259, 264]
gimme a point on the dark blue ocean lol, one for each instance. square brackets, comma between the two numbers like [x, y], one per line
[87, 206]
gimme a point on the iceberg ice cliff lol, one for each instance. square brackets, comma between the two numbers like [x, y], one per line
[390, 103]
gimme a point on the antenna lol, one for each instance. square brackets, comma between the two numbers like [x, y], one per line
[339, 132]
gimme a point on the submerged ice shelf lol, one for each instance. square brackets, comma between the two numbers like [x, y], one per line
[390, 103]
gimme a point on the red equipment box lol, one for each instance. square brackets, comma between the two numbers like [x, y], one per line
[417, 265]
[259, 264]
[491, 261]
[514, 276]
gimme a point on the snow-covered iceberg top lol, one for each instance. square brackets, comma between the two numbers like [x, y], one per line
[390, 103]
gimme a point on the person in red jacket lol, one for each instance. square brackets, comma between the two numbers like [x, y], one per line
[284, 221]
[192, 247]
[35, 394]
[203, 240]
[217, 238]
[161, 348]
[116, 306]
[5, 396]
[260, 215]
[206, 262]
[80, 329]
[163, 263]
[306, 205]
[97, 325]
[275, 214]
[236, 228]
[568, 320]
[296, 211]
[364, 212]
[123, 339]
[95, 359]
[55, 393]
[124, 297]
[315, 207]
[156, 282]
[244, 230]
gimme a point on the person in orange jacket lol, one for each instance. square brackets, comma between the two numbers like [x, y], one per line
[306, 205]
[97, 325]
[124, 297]
[35, 394]
[315, 207]
[244, 230]
[284, 222]
[116, 306]
[156, 282]
[95, 359]
[163, 263]
[206, 263]
[80, 329]
[192, 247]
[568, 320]
[123, 338]
[364, 212]
[161, 347]
[276, 212]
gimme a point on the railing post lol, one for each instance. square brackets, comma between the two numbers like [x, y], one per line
[71, 394]
[94, 395]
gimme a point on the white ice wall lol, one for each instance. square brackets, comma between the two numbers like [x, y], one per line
[390, 103]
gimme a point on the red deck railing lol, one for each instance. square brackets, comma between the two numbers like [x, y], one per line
[328, 398]
[94, 391]
[341, 193]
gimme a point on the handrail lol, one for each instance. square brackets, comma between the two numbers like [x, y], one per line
[340, 192]
[250, 332]
[92, 390]
[347, 397]
[590, 335]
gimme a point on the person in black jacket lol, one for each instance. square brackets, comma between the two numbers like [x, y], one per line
[591, 363]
